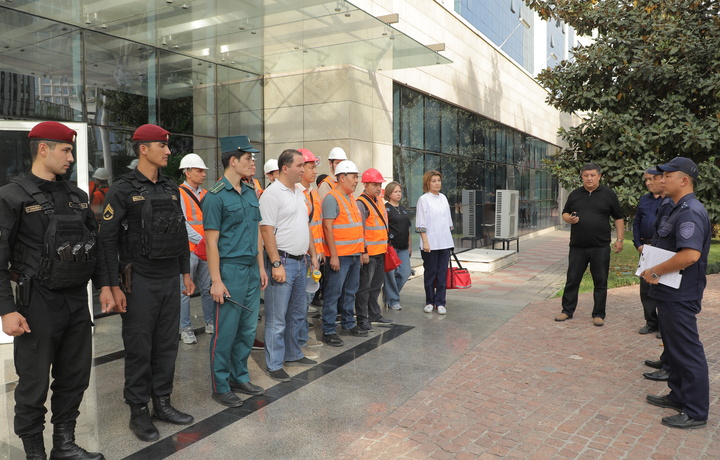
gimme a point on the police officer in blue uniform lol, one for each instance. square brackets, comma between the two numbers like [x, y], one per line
[686, 231]
[144, 239]
[48, 246]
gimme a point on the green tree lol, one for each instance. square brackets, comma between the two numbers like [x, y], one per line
[647, 89]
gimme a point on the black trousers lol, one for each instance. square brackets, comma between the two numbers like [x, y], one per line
[578, 260]
[649, 305]
[150, 334]
[60, 345]
[372, 276]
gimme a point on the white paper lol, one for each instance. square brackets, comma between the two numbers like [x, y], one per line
[652, 256]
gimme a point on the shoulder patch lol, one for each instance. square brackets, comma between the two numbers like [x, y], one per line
[109, 212]
[217, 187]
[33, 208]
[687, 229]
[138, 198]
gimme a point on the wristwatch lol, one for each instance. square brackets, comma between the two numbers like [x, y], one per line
[276, 264]
[654, 275]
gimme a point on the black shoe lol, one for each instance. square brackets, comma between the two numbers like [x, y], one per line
[381, 320]
[141, 424]
[333, 340]
[304, 361]
[163, 410]
[654, 364]
[682, 421]
[355, 332]
[280, 375]
[228, 399]
[647, 328]
[246, 388]
[365, 327]
[64, 446]
[658, 335]
[660, 375]
[34, 447]
[663, 401]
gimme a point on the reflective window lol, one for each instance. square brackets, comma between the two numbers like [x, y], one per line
[477, 157]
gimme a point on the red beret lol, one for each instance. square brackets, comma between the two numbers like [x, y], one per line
[151, 133]
[53, 131]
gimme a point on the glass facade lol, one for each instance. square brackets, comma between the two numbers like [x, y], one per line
[476, 157]
[52, 70]
[499, 20]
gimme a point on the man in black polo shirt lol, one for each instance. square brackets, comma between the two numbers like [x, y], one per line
[588, 209]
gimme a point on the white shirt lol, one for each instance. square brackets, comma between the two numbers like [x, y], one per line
[433, 214]
[285, 209]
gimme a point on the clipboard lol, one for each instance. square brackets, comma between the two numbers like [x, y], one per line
[652, 256]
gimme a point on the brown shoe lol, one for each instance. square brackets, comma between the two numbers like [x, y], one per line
[562, 317]
[598, 322]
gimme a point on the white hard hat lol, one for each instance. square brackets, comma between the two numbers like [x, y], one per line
[133, 164]
[346, 167]
[270, 166]
[337, 153]
[102, 174]
[192, 160]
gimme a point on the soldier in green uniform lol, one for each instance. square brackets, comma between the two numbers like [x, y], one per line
[231, 217]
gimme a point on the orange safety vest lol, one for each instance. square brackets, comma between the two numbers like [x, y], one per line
[258, 187]
[347, 227]
[330, 182]
[312, 200]
[193, 213]
[376, 233]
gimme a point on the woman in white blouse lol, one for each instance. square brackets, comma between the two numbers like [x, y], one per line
[434, 225]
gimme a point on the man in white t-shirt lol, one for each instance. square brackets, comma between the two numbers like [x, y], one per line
[286, 235]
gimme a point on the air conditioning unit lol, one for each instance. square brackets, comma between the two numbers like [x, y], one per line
[506, 213]
[472, 213]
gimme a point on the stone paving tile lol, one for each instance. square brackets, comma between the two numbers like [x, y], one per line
[538, 389]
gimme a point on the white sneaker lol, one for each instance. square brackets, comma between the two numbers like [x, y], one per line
[428, 308]
[441, 310]
[188, 336]
[209, 328]
[309, 353]
[312, 309]
[395, 307]
[313, 342]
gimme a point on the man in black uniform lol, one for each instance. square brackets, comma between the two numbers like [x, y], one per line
[686, 232]
[49, 317]
[144, 227]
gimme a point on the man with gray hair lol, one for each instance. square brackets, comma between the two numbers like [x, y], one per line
[588, 209]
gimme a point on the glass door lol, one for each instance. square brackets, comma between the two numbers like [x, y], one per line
[15, 161]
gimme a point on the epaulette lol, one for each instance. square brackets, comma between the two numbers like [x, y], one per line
[219, 185]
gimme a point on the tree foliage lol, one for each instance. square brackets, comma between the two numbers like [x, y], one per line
[647, 90]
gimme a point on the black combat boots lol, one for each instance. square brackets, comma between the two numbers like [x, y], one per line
[64, 446]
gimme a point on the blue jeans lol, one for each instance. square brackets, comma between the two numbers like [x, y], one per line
[344, 282]
[435, 264]
[578, 260]
[201, 277]
[285, 313]
[396, 279]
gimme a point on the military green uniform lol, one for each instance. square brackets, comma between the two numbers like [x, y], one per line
[236, 217]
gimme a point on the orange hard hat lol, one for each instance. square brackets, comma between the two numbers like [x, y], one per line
[372, 175]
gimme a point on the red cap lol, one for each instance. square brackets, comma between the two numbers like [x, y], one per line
[53, 131]
[372, 175]
[308, 156]
[151, 133]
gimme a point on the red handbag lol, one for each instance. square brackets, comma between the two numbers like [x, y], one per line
[392, 261]
[457, 277]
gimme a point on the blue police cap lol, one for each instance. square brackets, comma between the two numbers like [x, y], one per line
[234, 143]
[683, 164]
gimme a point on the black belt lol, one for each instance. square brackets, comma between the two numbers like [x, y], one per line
[290, 256]
[646, 240]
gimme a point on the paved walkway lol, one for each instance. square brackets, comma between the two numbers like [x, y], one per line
[539, 389]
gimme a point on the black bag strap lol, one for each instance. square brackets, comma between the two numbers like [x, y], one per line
[191, 194]
[372, 202]
[32, 189]
[457, 261]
